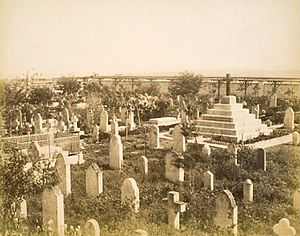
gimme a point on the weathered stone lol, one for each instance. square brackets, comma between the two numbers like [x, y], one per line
[173, 172]
[296, 138]
[283, 228]
[130, 194]
[208, 180]
[248, 190]
[115, 152]
[289, 117]
[175, 207]
[93, 180]
[261, 159]
[104, 121]
[143, 165]
[206, 150]
[64, 172]
[154, 136]
[91, 228]
[273, 101]
[178, 140]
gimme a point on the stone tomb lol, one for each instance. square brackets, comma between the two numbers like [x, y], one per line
[226, 211]
[130, 194]
[229, 119]
[53, 209]
[93, 180]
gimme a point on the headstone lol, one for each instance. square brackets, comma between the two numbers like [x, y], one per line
[93, 180]
[183, 116]
[104, 121]
[61, 126]
[48, 125]
[173, 172]
[64, 173]
[268, 122]
[130, 123]
[233, 150]
[261, 159]
[91, 228]
[289, 117]
[115, 152]
[175, 207]
[197, 114]
[20, 117]
[34, 151]
[296, 199]
[208, 180]
[123, 115]
[23, 208]
[248, 190]
[75, 124]
[178, 140]
[65, 116]
[226, 211]
[206, 150]
[143, 165]
[38, 123]
[154, 136]
[296, 138]
[130, 194]
[95, 133]
[114, 127]
[273, 101]
[53, 209]
[283, 228]
[140, 232]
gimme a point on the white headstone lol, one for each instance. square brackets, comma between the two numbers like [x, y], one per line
[289, 117]
[296, 138]
[154, 136]
[91, 228]
[115, 152]
[143, 165]
[296, 199]
[175, 207]
[114, 127]
[283, 228]
[104, 121]
[23, 208]
[130, 194]
[208, 180]
[53, 209]
[248, 190]
[178, 140]
[172, 172]
[64, 172]
[93, 180]
[130, 123]
[38, 123]
[206, 150]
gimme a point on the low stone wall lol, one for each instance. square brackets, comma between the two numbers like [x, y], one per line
[271, 142]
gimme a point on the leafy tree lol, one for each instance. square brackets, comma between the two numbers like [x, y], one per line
[69, 86]
[41, 95]
[256, 89]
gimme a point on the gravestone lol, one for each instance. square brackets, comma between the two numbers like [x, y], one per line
[208, 180]
[115, 152]
[289, 117]
[273, 101]
[296, 199]
[248, 190]
[130, 194]
[64, 173]
[19, 117]
[226, 211]
[23, 209]
[171, 102]
[61, 127]
[143, 165]
[96, 132]
[140, 232]
[53, 209]
[93, 180]
[34, 151]
[154, 136]
[206, 150]
[65, 116]
[233, 150]
[283, 228]
[91, 228]
[75, 124]
[130, 121]
[38, 123]
[296, 138]
[123, 115]
[178, 140]
[175, 207]
[173, 172]
[104, 121]
[261, 160]
[184, 117]
[114, 127]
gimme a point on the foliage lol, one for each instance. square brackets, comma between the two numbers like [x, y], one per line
[41, 95]
[69, 86]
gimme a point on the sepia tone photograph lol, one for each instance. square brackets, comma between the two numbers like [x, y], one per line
[150, 117]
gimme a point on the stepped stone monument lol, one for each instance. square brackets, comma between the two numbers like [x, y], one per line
[229, 119]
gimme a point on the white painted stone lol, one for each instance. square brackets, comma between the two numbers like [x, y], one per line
[289, 117]
[53, 209]
[91, 228]
[226, 211]
[114, 127]
[296, 138]
[178, 140]
[208, 180]
[64, 172]
[93, 180]
[115, 152]
[23, 208]
[130, 194]
[104, 121]
[248, 190]
[130, 123]
[38, 123]
[143, 165]
[283, 228]
[175, 207]
[173, 173]
[154, 136]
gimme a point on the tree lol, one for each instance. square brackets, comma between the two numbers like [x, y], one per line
[244, 85]
[275, 85]
[41, 95]
[69, 86]
[256, 89]
[187, 85]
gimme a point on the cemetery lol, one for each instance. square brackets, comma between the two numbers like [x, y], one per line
[94, 159]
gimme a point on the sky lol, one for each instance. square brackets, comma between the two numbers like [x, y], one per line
[106, 37]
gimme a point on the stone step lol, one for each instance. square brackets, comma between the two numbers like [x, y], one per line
[226, 125]
[228, 112]
[221, 131]
[230, 107]
[233, 138]
[228, 118]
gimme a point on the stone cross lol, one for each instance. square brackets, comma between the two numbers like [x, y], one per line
[143, 165]
[228, 81]
[248, 190]
[226, 211]
[154, 136]
[104, 121]
[296, 138]
[93, 180]
[289, 117]
[64, 172]
[261, 159]
[208, 180]
[130, 194]
[283, 228]
[91, 228]
[115, 152]
[53, 209]
[175, 207]
[173, 173]
[178, 140]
